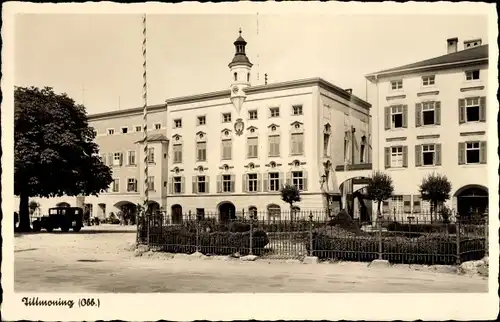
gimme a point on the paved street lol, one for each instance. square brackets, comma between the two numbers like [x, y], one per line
[98, 259]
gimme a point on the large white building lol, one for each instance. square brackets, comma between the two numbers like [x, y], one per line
[230, 151]
[431, 117]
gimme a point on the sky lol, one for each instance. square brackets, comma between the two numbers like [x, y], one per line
[97, 58]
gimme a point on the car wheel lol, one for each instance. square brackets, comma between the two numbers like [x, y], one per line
[77, 228]
[49, 229]
[65, 229]
[36, 226]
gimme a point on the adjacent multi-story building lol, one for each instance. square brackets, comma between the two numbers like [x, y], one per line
[430, 116]
[231, 151]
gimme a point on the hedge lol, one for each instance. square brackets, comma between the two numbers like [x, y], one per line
[422, 228]
[178, 239]
[430, 249]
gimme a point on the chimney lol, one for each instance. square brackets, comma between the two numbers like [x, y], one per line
[452, 45]
[348, 90]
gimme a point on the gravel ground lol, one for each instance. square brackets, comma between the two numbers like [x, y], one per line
[100, 259]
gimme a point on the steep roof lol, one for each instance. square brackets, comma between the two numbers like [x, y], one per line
[476, 53]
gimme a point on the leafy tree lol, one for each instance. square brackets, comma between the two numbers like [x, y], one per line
[290, 194]
[379, 188]
[435, 188]
[54, 149]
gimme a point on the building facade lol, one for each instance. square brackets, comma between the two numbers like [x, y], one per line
[231, 151]
[431, 117]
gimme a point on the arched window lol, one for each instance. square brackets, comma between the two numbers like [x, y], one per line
[273, 212]
[235, 76]
[248, 77]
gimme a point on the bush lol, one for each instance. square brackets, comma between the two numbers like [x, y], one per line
[285, 226]
[429, 249]
[344, 221]
[421, 228]
[180, 239]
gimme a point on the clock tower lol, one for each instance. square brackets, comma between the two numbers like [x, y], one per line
[240, 68]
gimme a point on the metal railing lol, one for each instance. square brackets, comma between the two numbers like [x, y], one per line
[294, 235]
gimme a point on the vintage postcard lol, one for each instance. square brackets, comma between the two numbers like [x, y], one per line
[268, 161]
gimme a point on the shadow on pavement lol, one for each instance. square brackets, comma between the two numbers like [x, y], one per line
[83, 231]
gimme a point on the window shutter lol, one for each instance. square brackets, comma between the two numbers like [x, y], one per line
[418, 114]
[183, 184]
[219, 183]
[244, 182]
[418, 155]
[259, 182]
[265, 183]
[387, 112]
[405, 116]
[461, 111]
[282, 177]
[304, 174]
[288, 178]
[416, 203]
[170, 185]
[110, 158]
[482, 152]
[405, 156]
[387, 157]
[195, 184]
[437, 113]
[461, 153]
[438, 154]
[104, 159]
[482, 109]
[207, 184]
[136, 188]
[232, 182]
[121, 158]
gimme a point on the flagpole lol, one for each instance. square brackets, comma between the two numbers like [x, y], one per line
[145, 113]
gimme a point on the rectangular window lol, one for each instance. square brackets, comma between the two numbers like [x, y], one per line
[111, 131]
[428, 80]
[226, 149]
[397, 157]
[117, 159]
[472, 152]
[297, 142]
[274, 146]
[396, 84]
[274, 181]
[151, 155]
[131, 185]
[397, 117]
[116, 185]
[157, 126]
[201, 182]
[298, 179]
[253, 147]
[201, 151]
[428, 113]
[472, 109]
[177, 124]
[177, 153]
[297, 110]
[428, 154]
[226, 183]
[226, 117]
[252, 182]
[138, 128]
[151, 183]
[397, 205]
[124, 130]
[274, 111]
[131, 158]
[362, 153]
[202, 120]
[177, 184]
[471, 75]
[252, 115]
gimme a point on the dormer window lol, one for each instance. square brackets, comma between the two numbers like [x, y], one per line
[124, 130]
[111, 131]
[397, 84]
[428, 80]
[471, 75]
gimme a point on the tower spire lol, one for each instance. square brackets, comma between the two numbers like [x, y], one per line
[240, 68]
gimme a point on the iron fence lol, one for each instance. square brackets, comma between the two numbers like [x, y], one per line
[294, 235]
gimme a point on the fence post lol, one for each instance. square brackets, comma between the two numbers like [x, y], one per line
[379, 237]
[457, 228]
[311, 234]
[251, 234]
[189, 215]
[243, 213]
[486, 232]
[198, 219]
[147, 227]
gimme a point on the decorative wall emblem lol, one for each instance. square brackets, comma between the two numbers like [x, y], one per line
[235, 89]
[239, 126]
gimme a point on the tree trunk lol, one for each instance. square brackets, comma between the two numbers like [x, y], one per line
[24, 213]
[378, 210]
[291, 212]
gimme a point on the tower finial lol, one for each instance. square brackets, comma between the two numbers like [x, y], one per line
[240, 31]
